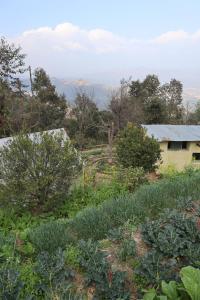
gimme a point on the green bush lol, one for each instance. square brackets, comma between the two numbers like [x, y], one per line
[95, 222]
[135, 149]
[131, 177]
[37, 173]
[50, 236]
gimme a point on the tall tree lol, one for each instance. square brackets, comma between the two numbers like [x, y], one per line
[87, 117]
[52, 107]
[11, 62]
[172, 93]
[155, 111]
[145, 102]
[119, 105]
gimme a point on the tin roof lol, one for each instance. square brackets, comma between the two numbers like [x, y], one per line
[5, 141]
[175, 133]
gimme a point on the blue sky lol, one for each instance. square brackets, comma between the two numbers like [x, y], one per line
[105, 40]
[132, 18]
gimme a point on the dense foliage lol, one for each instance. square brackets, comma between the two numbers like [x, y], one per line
[135, 149]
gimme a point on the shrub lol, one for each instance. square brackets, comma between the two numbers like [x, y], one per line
[50, 236]
[131, 177]
[135, 149]
[95, 222]
[37, 173]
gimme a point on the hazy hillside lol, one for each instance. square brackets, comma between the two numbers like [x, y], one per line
[99, 92]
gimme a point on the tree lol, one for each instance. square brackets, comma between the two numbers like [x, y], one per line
[43, 88]
[11, 66]
[11, 62]
[144, 99]
[171, 93]
[52, 107]
[87, 118]
[155, 111]
[36, 173]
[120, 105]
[135, 149]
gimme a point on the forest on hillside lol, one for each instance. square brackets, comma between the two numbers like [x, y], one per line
[42, 108]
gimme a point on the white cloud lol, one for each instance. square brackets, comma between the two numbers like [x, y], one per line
[67, 36]
[69, 49]
[171, 36]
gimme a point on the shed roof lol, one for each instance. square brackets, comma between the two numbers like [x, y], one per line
[35, 135]
[175, 133]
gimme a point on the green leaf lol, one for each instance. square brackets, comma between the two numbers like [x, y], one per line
[150, 295]
[191, 280]
[170, 290]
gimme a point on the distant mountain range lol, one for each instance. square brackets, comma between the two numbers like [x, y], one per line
[99, 92]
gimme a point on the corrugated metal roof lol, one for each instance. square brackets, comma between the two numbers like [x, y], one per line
[175, 133]
[35, 135]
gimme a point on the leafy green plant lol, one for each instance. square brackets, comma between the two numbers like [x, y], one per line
[109, 284]
[154, 267]
[173, 234]
[188, 289]
[55, 276]
[50, 236]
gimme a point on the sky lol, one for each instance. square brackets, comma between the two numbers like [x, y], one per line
[105, 40]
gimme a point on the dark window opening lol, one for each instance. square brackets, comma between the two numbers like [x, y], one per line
[196, 156]
[177, 145]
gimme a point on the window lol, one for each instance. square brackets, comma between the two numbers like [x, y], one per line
[177, 145]
[196, 156]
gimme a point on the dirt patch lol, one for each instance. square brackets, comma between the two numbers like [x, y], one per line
[140, 244]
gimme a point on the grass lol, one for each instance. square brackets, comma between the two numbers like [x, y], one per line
[147, 201]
